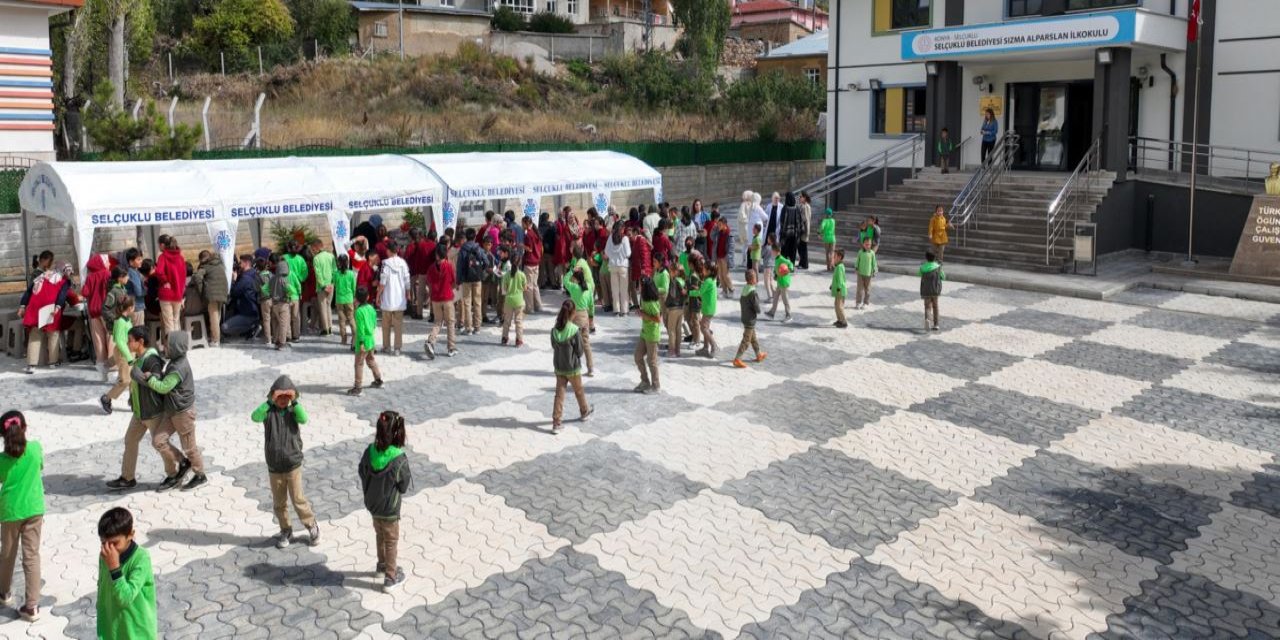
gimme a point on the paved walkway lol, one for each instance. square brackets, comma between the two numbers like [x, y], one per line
[1041, 467]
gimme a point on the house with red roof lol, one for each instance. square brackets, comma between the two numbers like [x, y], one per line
[778, 21]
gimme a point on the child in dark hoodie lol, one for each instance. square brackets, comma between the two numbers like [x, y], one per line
[178, 386]
[384, 477]
[931, 278]
[280, 415]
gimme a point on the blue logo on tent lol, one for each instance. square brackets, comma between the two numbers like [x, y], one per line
[530, 208]
[602, 203]
[223, 241]
[450, 214]
[43, 185]
[340, 229]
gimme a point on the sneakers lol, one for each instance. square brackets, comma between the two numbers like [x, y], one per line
[381, 568]
[770, 314]
[196, 480]
[6, 599]
[106, 403]
[396, 353]
[120, 483]
[652, 389]
[786, 319]
[314, 532]
[505, 342]
[183, 468]
[935, 327]
[377, 383]
[391, 584]
[30, 370]
[702, 353]
[355, 392]
[737, 362]
[452, 353]
[169, 483]
[642, 387]
[590, 410]
[30, 614]
[431, 351]
[556, 428]
[519, 343]
[282, 539]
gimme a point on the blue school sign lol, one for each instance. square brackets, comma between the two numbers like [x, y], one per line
[1090, 30]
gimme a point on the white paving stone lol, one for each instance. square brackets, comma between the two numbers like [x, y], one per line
[904, 283]
[491, 437]
[1239, 549]
[722, 563]
[1169, 343]
[704, 445]
[948, 456]
[886, 382]
[1088, 389]
[705, 383]
[1229, 382]
[1264, 336]
[1051, 581]
[858, 341]
[1089, 309]
[993, 337]
[963, 309]
[1165, 455]
[1223, 306]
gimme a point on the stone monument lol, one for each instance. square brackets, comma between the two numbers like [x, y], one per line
[1258, 252]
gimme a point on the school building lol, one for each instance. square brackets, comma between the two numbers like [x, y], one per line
[26, 77]
[1069, 77]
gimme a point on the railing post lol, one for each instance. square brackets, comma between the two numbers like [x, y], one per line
[884, 171]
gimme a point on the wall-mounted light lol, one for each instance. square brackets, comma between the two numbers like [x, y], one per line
[931, 68]
[876, 85]
[979, 80]
[1104, 56]
[853, 86]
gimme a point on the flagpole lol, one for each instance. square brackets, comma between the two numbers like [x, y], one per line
[1195, 147]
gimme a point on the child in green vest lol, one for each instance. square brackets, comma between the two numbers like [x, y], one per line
[344, 296]
[707, 296]
[674, 303]
[931, 279]
[783, 268]
[126, 581]
[363, 342]
[512, 287]
[829, 237]
[839, 288]
[750, 304]
[265, 269]
[646, 353]
[120, 349]
[866, 267]
[21, 510]
[385, 476]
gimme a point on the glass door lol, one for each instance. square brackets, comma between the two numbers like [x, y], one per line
[1039, 117]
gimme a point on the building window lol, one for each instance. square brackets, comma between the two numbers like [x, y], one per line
[571, 6]
[813, 74]
[447, 3]
[551, 6]
[380, 29]
[898, 110]
[519, 6]
[895, 15]
[1022, 8]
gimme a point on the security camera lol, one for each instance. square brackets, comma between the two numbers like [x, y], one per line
[979, 79]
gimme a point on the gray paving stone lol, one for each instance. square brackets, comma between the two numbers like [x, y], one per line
[851, 504]
[1007, 414]
[1262, 492]
[1255, 358]
[800, 359]
[1118, 507]
[899, 319]
[1182, 605]
[1242, 423]
[948, 358]
[74, 479]
[330, 479]
[1119, 361]
[418, 398]
[587, 489]
[565, 595]
[1144, 296]
[873, 601]
[1193, 323]
[806, 411]
[617, 406]
[1046, 322]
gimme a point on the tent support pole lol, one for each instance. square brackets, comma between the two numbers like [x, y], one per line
[26, 250]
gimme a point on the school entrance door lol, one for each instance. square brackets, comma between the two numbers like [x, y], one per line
[1054, 121]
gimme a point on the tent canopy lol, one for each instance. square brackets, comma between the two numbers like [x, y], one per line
[221, 193]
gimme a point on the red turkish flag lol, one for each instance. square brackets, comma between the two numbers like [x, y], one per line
[1193, 22]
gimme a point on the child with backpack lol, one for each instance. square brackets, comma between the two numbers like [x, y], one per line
[385, 476]
[646, 354]
[265, 268]
[512, 286]
[363, 342]
[21, 511]
[121, 325]
[866, 267]
[750, 303]
[673, 303]
[828, 228]
[765, 268]
[580, 293]
[280, 416]
[931, 279]
[839, 288]
[707, 295]
[783, 269]
[344, 296]
[566, 349]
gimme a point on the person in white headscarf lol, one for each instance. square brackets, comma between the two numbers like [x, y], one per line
[744, 218]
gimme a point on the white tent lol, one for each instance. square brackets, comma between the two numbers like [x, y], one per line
[530, 175]
[221, 193]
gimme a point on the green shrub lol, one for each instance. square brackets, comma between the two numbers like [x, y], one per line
[282, 234]
[506, 19]
[655, 80]
[547, 22]
[579, 69]
[775, 92]
[120, 137]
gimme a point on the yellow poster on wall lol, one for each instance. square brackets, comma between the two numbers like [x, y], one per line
[994, 103]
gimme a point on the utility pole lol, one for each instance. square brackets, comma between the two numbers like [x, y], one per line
[648, 24]
[402, 29]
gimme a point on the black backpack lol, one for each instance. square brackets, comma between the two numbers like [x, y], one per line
[675, 295]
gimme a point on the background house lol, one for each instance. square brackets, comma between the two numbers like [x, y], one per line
[26, 77]
[781, 21]
[806, 56]
[430, 26]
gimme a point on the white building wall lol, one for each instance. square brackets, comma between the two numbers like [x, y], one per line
[25, 28]
[1245, 112]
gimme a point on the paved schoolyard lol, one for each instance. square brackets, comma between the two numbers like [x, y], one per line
[1042, 467]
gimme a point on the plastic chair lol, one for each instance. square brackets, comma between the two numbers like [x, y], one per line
[198, 328]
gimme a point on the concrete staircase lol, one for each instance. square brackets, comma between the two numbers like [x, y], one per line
[1008, 233]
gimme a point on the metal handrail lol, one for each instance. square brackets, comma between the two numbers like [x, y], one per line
[976, 193]
[1066, 204]
[854, 173]
[1219, 165]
